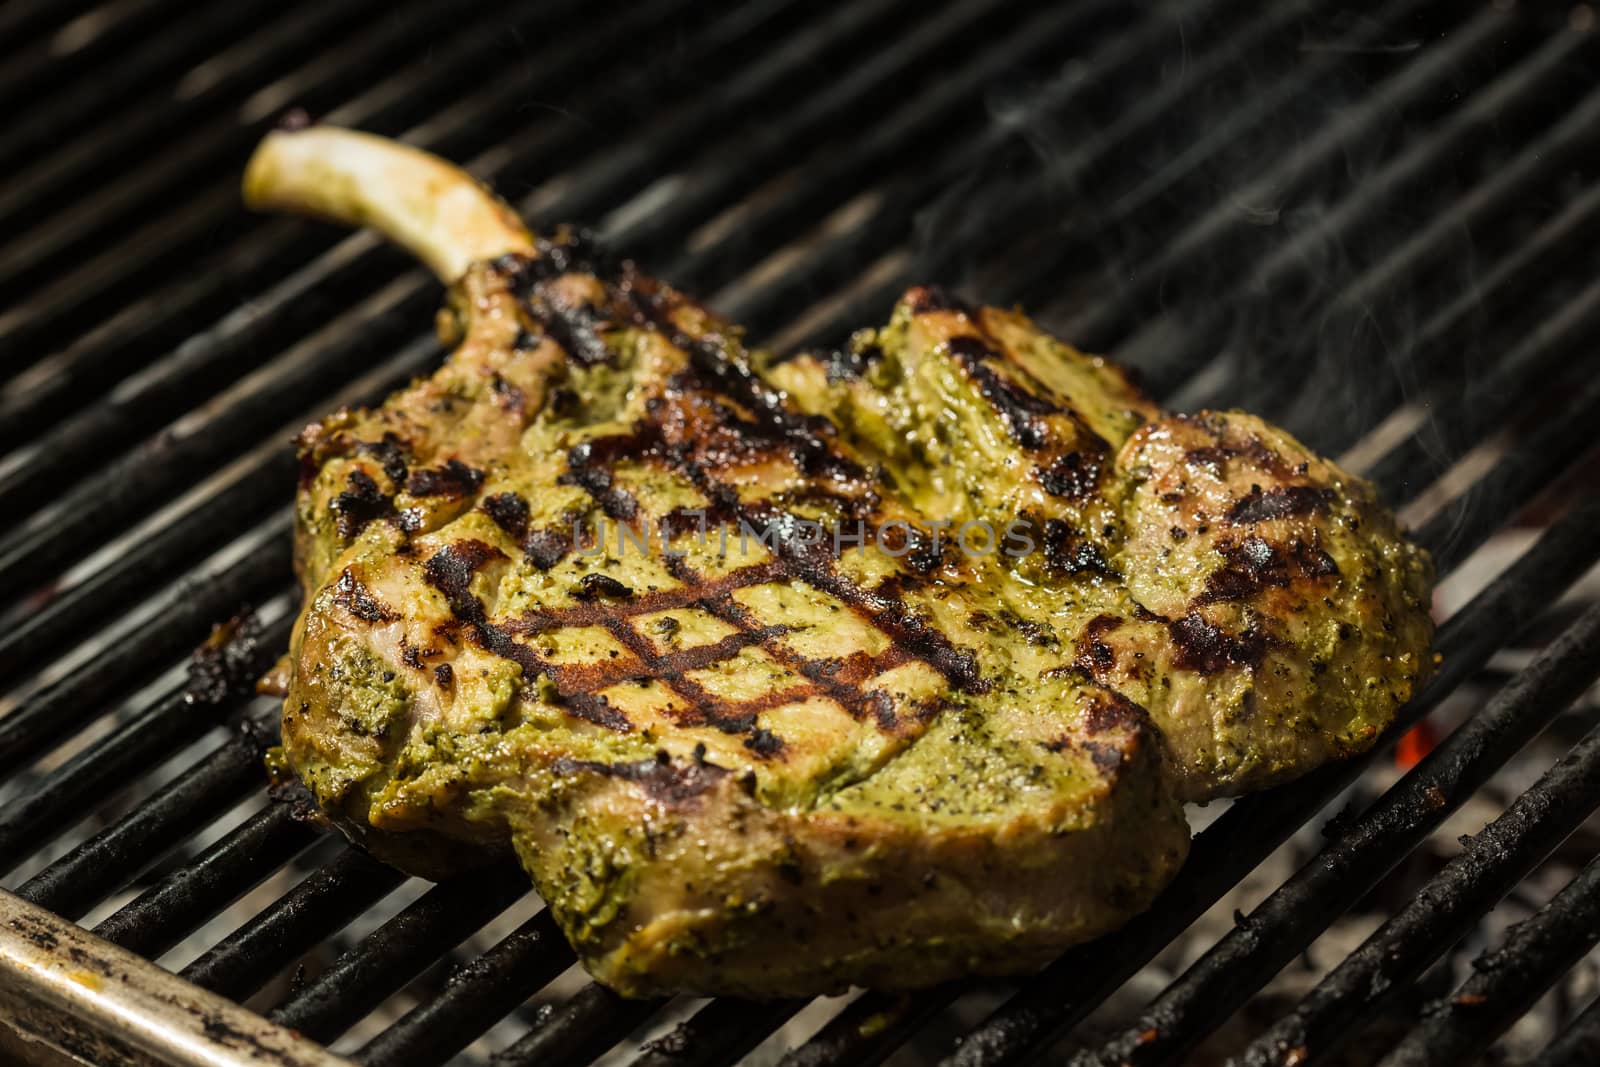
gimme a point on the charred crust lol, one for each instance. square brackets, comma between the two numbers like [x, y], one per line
[1066, 551]
[228, 663]
[1213, 457]
[1207, 649]
[545, 548]
[453, 479]
[444, 675]
[1255, 564]
[360, 503]
[763, 742]
[598, 586]
[663, 780]
[577, 330]
[1095, 656]
[881, 705]
[1019, 409]
[450, 570]
[1110, 710]
[1074, 476]
[1280, 503]
[507, 394]
[720, 366]
[391, 454]
[509, 512]
[355, 598]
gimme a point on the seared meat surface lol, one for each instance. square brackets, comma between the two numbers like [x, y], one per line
[876, 668]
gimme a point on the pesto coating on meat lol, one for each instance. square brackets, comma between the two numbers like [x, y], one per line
[537, 622]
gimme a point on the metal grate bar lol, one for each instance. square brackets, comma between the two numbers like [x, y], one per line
[935, 121]
[870, 1028]
[1507, 981]
[1337, 877]
[590, 1022]
[398, 951]
[84, 104]
[194, 527]
[52, 234]
[319, 906]
[64, 795]
[841, 258]
[1467, 521]
[101, 285]
[1489, 865]
[1366, 305]
[476, 995]
[1511, 282]
[1489, 399]
[38, 67]
[1066, 991]
[1416, 88]
[25, 24]
[1153, 202]
[189, 140]
[187, 612]
[1579, 1043]
[183, 900]
[112, 489]
[35, 635]
[1422, 86]
[720, 1032]
[935, 110]
[112, 858]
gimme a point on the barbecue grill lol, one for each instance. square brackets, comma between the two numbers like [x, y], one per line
[1377, 229]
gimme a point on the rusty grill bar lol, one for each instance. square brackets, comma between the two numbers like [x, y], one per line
[1211, 192]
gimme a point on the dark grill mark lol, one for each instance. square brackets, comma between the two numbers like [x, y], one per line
[660, 777]
[1110, 710]
[576, 330]
[354, 598]
[1020, 409]
[1207, 649]
[1213, 457]
[546, 548]
[720, 365]
[1280, 503]
[360, 503]
[509, 512]
[391, 454]
[507, 394]
[453, 479]
[450, 570]
[1255, 564]
[1094, 655]
[1068, 552]
[763, 742]
[597, 586]
[1075, 476]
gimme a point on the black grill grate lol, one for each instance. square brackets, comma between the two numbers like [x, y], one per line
[1375, 228]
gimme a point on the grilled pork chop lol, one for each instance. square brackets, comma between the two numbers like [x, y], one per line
[875, 668]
